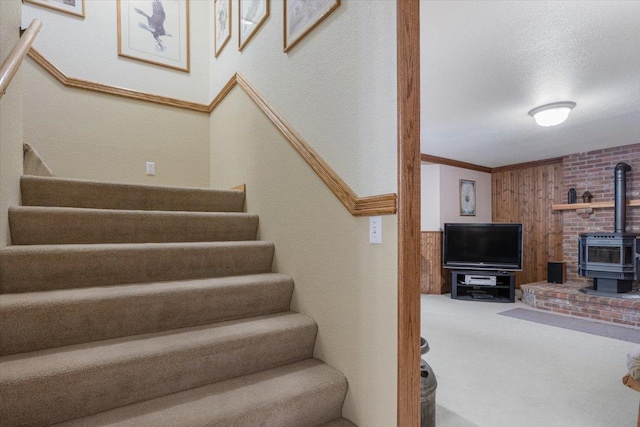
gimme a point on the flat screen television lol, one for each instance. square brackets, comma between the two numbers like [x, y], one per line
[493, 246]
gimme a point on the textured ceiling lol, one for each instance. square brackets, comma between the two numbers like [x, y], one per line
[485, 64]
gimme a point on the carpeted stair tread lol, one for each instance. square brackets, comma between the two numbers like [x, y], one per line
[304, 394]
[51, 191]
[48, 267]
[35, 225]
[50, 386]
[342, 422]
[41, 320]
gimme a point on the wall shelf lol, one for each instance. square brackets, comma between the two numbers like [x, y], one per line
[594, 205]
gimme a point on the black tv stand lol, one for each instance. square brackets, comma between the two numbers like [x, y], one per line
[486, 285]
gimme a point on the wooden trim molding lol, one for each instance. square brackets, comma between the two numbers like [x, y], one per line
[11, 65]
[450, 162]
[464, 165]
[241, 187]
[111, 90]
[357, 206]
[408, 60]
[384, 204]
[527, 165]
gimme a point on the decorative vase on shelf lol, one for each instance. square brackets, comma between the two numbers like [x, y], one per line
[587, 197]
[573, 196]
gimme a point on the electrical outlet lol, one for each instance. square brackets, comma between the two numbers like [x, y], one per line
[375, 229]
[151, 168]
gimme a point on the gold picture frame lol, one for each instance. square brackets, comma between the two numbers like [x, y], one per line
[76, 8]
[252, 14]
[467, 197]
[141, 36]
[303, 16]
[222, 24]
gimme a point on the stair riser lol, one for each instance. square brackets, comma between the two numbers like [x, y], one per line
[308, 410]
[41, 191]
[45, 226]
[33, 322]
[304, 394]
[74, 391]
[71, 267]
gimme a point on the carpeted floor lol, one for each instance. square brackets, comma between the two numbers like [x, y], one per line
[575, 324]
[499, 371]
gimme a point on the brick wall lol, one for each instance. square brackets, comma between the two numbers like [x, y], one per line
[594, 171]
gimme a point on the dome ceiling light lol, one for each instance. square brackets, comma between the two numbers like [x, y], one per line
[552, 114]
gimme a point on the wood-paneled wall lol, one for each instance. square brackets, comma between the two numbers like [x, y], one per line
[526, 195]
[433, 278]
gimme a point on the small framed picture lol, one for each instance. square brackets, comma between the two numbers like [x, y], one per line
[467, 198]
[155, 31]
[302, 16]
[253, 13]
[73, 7]
[222, 24]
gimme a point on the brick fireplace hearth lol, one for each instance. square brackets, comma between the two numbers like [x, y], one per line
[567, 299]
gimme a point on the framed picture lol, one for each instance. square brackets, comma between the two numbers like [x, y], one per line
[252, 15]
[74, 7]
[222, 24]
[302, 16]
[467, 198]
[155, 31]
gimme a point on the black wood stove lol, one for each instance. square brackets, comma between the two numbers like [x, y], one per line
[612, 259]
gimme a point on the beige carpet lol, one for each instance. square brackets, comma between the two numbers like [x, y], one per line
[139, 305]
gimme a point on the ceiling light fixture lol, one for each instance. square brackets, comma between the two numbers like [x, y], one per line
[552, 114]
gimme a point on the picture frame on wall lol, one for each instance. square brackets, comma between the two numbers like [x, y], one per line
[252, 15]
[155, 32]
[302, 16]
[467, 197]
[72, 7]
[222, 24]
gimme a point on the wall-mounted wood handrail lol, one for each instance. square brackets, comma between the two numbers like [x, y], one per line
[12, 63]
[383, 204]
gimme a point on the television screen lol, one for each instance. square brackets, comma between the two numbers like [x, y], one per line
[494, 246]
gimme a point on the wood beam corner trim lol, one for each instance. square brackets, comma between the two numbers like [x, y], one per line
[241, 187]
[455, 163]
[374, 205]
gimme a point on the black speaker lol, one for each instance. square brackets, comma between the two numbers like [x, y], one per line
[556, 272]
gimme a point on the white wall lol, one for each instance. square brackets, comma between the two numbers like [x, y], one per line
[93, 136]
[337, 87]
[449, 195]
[88, 49]
[440, 196]
[346, 284]
[430, 197]
[11, 118]
[87, 135]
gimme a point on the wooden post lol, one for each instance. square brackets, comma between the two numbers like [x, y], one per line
[408, 60]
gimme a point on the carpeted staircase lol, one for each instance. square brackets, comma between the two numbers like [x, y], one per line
[136, 305]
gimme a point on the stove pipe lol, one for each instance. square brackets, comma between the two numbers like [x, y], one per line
[620, 197]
